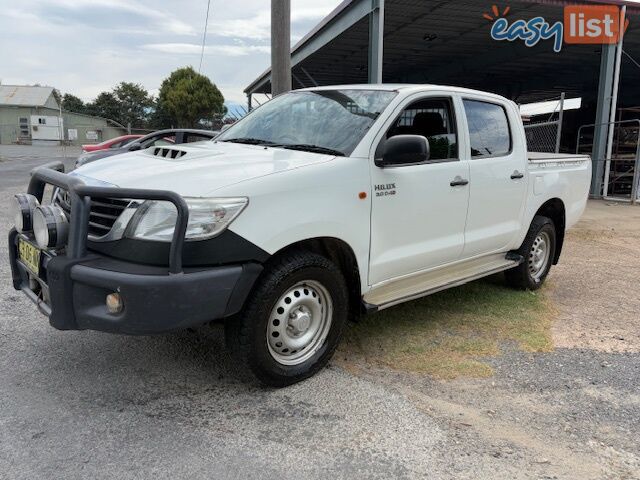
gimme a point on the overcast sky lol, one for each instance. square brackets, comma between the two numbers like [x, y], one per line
[88, 46]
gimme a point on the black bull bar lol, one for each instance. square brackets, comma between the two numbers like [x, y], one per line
[80, 195]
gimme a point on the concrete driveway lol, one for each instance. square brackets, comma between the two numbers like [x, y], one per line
[93, 405]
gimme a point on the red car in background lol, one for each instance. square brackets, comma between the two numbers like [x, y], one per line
[117, 142]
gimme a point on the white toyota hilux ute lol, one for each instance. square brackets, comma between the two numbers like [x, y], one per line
[319, 205]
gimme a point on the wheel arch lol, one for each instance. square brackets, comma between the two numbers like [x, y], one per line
[554, 209]
[340, 253]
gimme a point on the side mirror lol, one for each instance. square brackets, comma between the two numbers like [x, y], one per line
[134, 147]
[404, 150]
[225, 127]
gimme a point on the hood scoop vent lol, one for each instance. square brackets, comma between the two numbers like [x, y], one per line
[168, 152]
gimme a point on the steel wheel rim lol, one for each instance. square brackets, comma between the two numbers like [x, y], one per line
[539, 255]
[299, 323]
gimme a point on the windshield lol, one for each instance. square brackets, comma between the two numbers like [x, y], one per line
[322, 121]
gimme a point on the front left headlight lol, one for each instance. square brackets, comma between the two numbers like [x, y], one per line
[208, 217]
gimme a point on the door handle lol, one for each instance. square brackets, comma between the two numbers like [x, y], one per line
[516, 175]
[458, 181]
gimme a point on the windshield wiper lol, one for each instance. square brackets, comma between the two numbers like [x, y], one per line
[291, 146]
[249, 141]
[313, 148]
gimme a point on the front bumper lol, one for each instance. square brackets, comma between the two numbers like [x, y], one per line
[72, 292]
[71, 286]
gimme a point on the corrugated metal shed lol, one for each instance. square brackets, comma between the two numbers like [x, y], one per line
[444, 42]
[24, 96]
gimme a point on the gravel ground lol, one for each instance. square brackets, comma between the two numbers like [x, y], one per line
[92, 405]
[599, 274]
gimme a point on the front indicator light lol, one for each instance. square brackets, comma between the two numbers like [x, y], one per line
[22, 209]
[50, 226]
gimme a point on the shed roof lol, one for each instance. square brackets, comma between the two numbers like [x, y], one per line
[24, 95]
[436, 41]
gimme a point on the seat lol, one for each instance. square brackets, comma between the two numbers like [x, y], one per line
[428, 124]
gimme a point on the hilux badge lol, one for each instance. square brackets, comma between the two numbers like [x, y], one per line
[383, 190]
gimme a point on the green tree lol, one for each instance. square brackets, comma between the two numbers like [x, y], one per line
[71, 103]
[187, 98]
[160, 117]
[134, 103]
[105, 105]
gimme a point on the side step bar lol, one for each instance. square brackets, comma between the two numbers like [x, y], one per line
[422, 284]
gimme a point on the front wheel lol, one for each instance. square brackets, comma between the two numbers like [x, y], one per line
[293, 321]
[538, 251]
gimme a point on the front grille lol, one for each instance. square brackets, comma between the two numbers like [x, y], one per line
[103, 214]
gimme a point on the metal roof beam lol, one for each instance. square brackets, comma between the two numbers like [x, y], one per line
[603, 114]
[315, 84]
[376, 42]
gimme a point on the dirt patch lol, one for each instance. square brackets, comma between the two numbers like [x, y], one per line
[595, 287]
[449, 334]
[508, 439]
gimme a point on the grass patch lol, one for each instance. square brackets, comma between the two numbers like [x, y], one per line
[447, 334]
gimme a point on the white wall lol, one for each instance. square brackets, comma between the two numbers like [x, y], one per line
[45, 127]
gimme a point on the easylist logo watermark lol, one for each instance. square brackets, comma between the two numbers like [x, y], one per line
[586, 24]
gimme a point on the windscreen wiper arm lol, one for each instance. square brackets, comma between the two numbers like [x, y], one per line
[249, 141]
[313, 148]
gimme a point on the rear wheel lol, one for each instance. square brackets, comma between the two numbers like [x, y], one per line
[538, 251]
[293, 321]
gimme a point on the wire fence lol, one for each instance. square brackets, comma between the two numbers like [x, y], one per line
[542, 137]
[543, 134]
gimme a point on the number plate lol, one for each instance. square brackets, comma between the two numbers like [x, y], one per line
[30, 256]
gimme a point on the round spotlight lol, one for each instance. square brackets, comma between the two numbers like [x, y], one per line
[50, 226]
[22, 209]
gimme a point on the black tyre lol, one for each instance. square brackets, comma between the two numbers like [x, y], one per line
[538, 250]
[293, 320]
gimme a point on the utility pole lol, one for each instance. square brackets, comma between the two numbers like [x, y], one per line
[280, 46]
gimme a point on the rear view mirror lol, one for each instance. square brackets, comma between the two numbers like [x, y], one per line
[404, 150]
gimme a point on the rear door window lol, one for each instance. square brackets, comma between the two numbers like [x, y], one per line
[489, 132]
